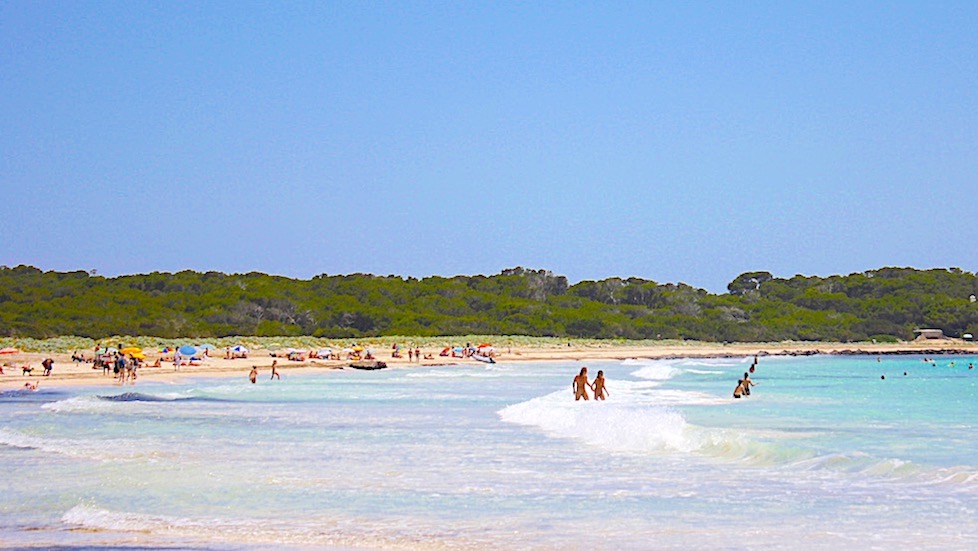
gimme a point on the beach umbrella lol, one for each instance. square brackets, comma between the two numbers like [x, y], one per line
[187, 350]
[138, 355]
[324, 352]
[131, 350]
[109, 350]
[240, 349]
[9, 350]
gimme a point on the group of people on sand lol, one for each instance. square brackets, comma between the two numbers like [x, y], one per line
[581, 384]
[253, 376]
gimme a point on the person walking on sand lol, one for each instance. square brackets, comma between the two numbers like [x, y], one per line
[275, 374]
[600, 392]
[253, 376]
[580, 385]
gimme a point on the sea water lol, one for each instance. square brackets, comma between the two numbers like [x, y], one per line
[827, 452]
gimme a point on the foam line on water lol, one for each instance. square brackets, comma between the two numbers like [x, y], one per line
[101, 450]
[630, 423]
[332, 532]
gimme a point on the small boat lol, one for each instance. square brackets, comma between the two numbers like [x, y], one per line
[481, 358]
[370, 365]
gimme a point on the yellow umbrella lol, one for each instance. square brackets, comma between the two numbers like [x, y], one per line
[132, 350]
[138, 355]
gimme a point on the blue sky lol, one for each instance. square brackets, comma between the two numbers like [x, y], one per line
[679, 142]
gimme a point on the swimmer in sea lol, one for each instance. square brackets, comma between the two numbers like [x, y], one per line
[739, 391]
[580, 385]
[600, 392]
[747, 384]
[253, 376]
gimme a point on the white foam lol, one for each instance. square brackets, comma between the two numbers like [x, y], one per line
[101, 450]
[81, 404]
[95, 518]
[333, 532]
[658, 371]
[704, 372]
[451, 374]
[627, 426]
[715, 362]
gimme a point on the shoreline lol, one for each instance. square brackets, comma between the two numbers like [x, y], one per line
[67, 373]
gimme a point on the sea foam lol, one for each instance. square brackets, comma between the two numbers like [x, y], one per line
[100, 450]
[612, 426]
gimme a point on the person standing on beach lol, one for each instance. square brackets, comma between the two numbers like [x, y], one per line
[600, 392]
[253, 376]
[48, 364]
[275, 374]
[120, 367]
[580, 385]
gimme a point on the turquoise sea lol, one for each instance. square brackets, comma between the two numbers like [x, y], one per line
[825, 454]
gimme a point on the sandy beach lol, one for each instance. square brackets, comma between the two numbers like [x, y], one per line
[471, 456]
[66, 372]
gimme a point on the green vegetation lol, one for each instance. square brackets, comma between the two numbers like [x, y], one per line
[885, 304]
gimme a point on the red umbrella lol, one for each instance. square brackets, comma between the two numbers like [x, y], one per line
[9, 351]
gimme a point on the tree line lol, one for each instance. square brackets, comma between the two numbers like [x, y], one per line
[885, 304]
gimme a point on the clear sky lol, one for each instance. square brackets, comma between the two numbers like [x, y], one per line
[674, 141]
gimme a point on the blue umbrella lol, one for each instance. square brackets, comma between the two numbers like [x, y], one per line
[187, 350]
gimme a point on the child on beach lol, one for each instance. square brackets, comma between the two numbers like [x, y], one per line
[275, 374]
[253, 376]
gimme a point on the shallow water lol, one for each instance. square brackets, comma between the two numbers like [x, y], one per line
[824, 454]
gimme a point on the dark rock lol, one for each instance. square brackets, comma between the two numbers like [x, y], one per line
[371, 365]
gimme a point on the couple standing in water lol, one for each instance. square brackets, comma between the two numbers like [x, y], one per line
[580, 386]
